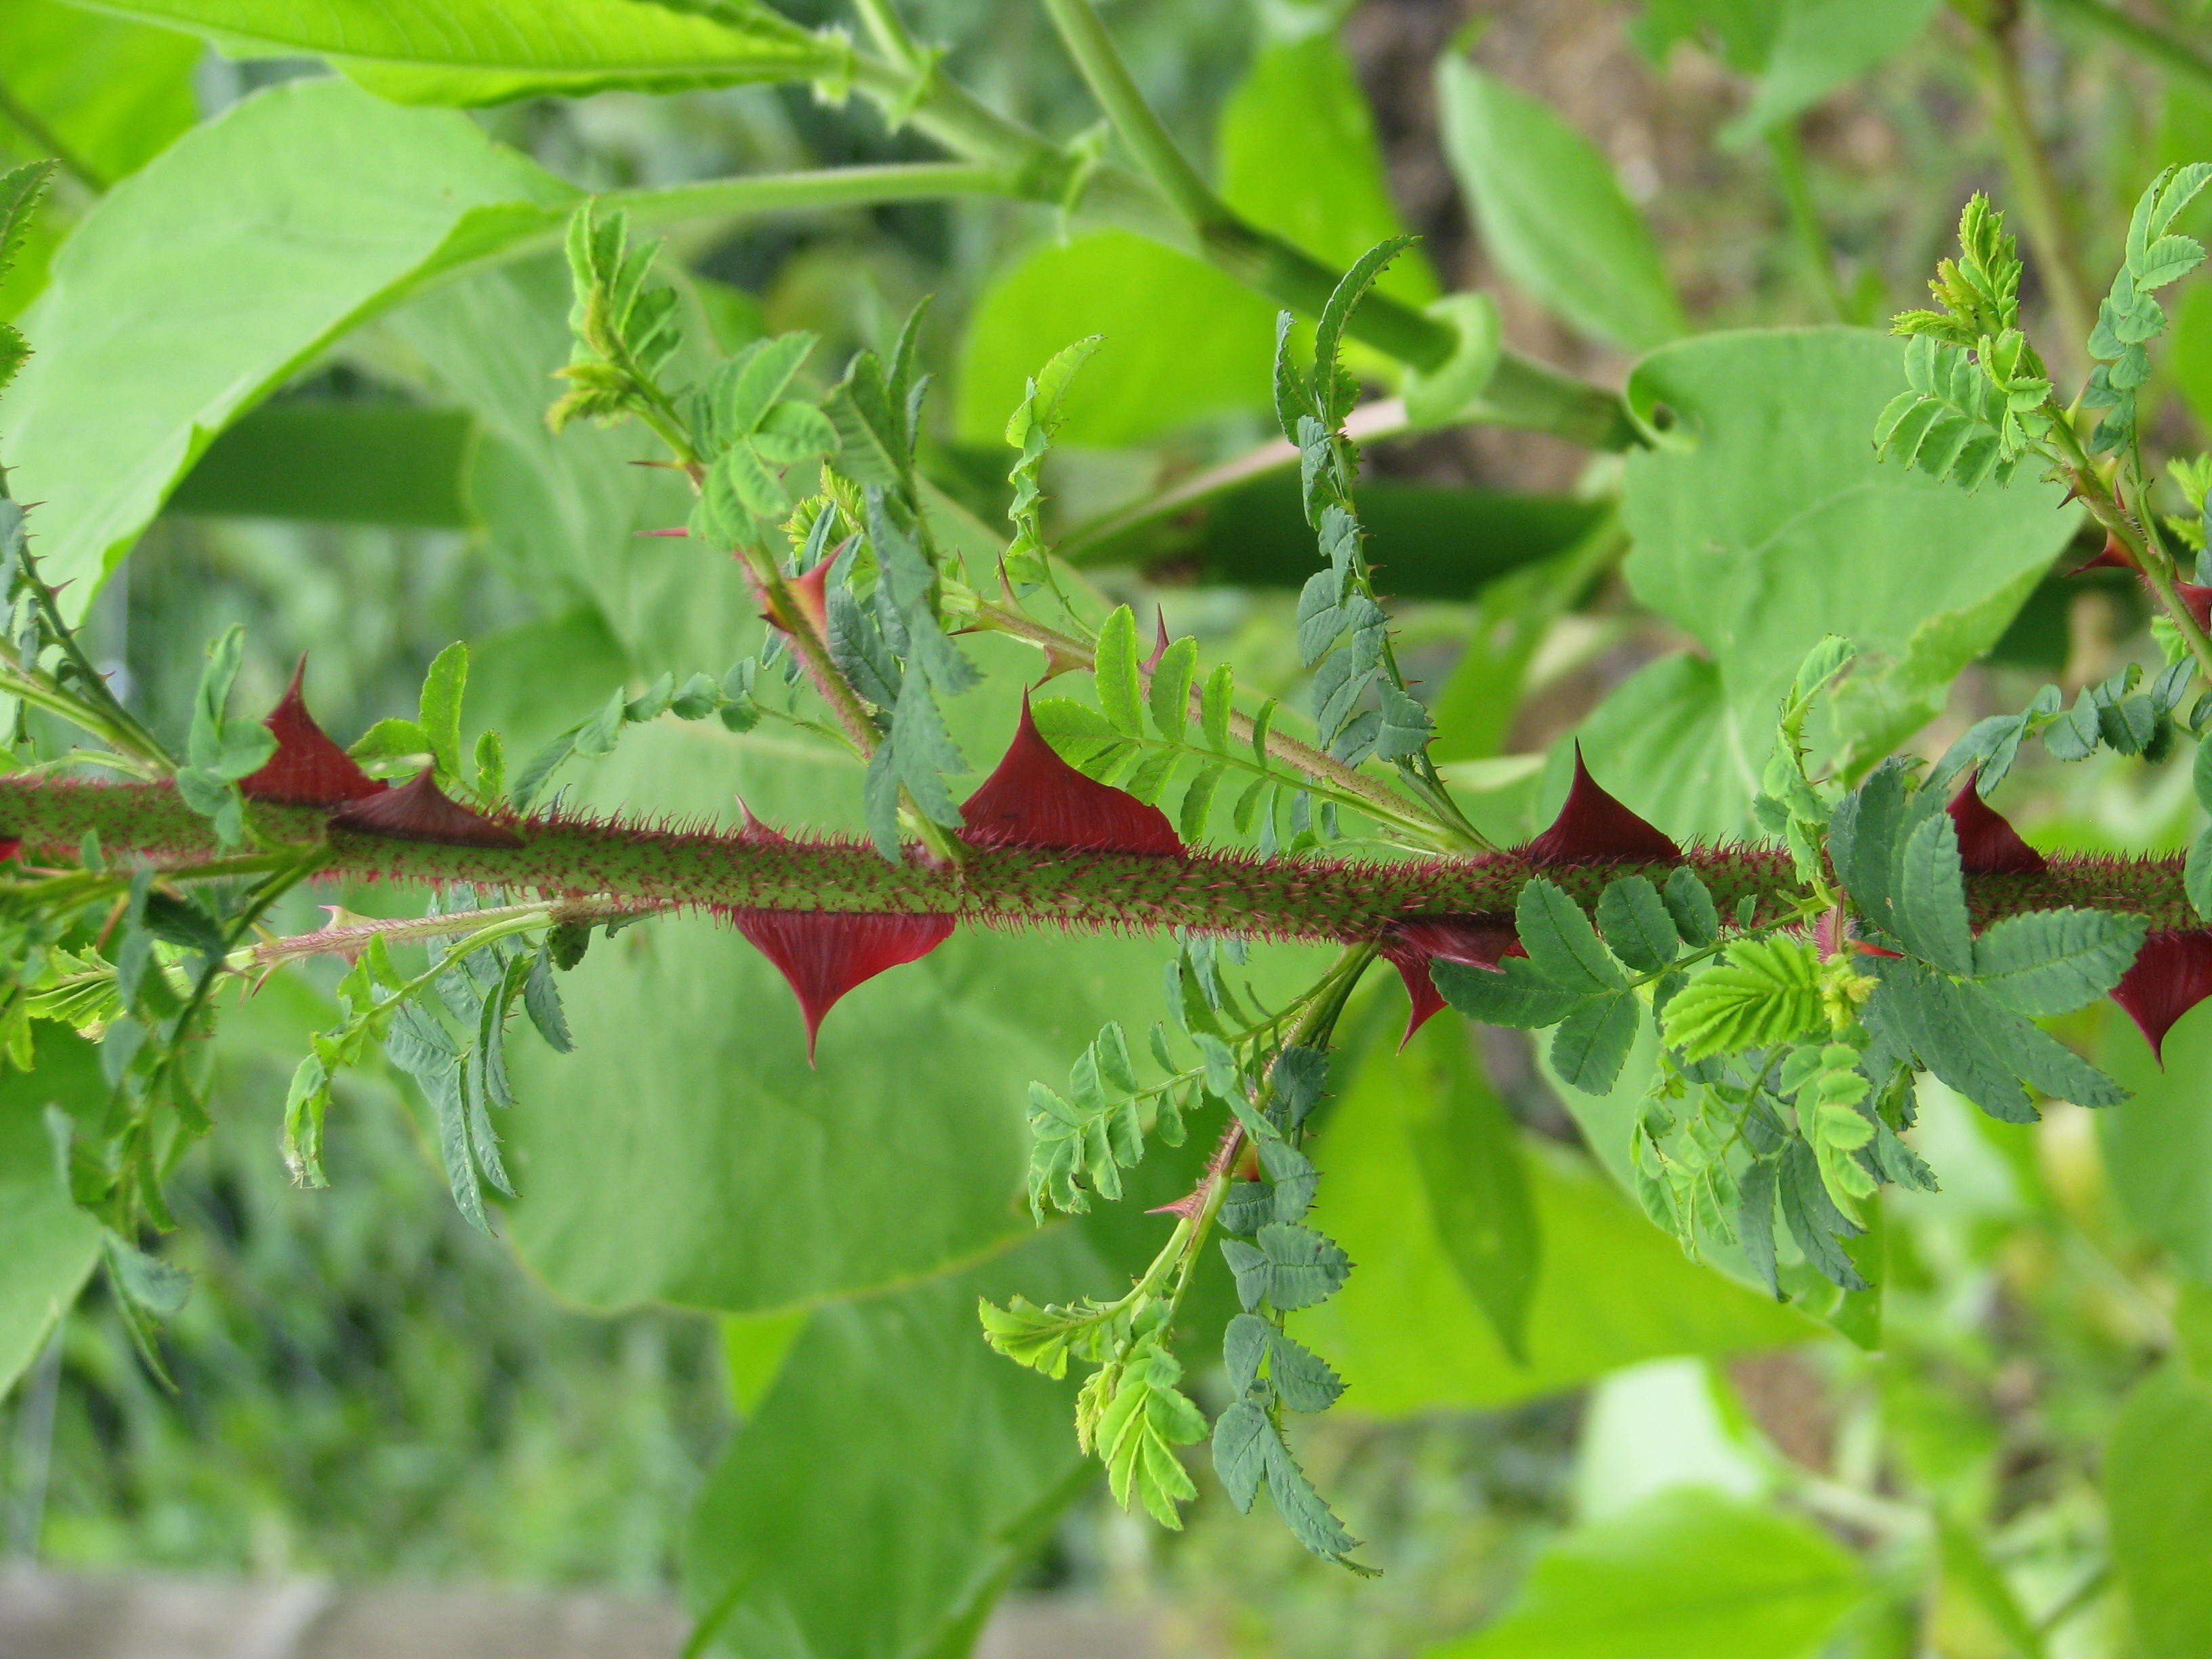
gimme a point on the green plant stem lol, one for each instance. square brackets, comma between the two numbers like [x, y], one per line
[888, 31]
[810, 189]
[1789, 153]
[355, 936]
[28, 122]
[1093, 542]
[2168, 51]
[2042, 203]
[2139, 539]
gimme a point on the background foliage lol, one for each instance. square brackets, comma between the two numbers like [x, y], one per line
[296, 332]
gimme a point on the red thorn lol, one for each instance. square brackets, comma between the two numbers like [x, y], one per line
[1474, 941]
[1035, 798]
[824, 954]
[307, 768]
[1987, 844]
[2112, 557]
[2171, 975]
[1160, 646]
[1592, 828]
[9, 847]
[2198, 599]
[419, 811]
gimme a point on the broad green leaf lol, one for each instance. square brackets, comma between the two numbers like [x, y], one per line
[49, 1245]
[1467, 1148]
[736, 1190]
[1552, 213]
[1297, 154]
[339, 206]
[115, 92]
[482, 52]
[1687, 1574]
[1181, 340]
[2158, 1147]
[2052, 962]
[1406, 1331]
[329, 460]
[949, 1467]
[1762, 521]
[2161, 1507]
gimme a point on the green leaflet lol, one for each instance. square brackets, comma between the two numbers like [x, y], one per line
[1765, 991]
[2052, 962]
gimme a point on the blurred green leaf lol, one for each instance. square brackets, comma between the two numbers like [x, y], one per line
[1552, 213]
[1467, 1149]
[2160, 1506]
[1181, 340]
[339, 206]
[1762, 522]
[328, 461]
[50, 1246]
[115, 92]
[1405, 1330]
[2158, 1147]
[483, 51]
[1297, 155]
[1687, 1574]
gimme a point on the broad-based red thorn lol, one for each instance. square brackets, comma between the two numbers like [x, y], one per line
[9, 846]
[1474, 941]
[307, 768]
[2198, 599]
[824, 954]
[1035, 798]
[419, 811]
[1592, 828]
[2171, 975]
[1160, 645]
[1987, 844]
[2112, 557]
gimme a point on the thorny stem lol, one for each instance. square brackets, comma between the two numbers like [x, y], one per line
[1229, 892]
[1993, 27]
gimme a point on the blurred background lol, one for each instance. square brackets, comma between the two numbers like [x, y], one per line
[370, 1395]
